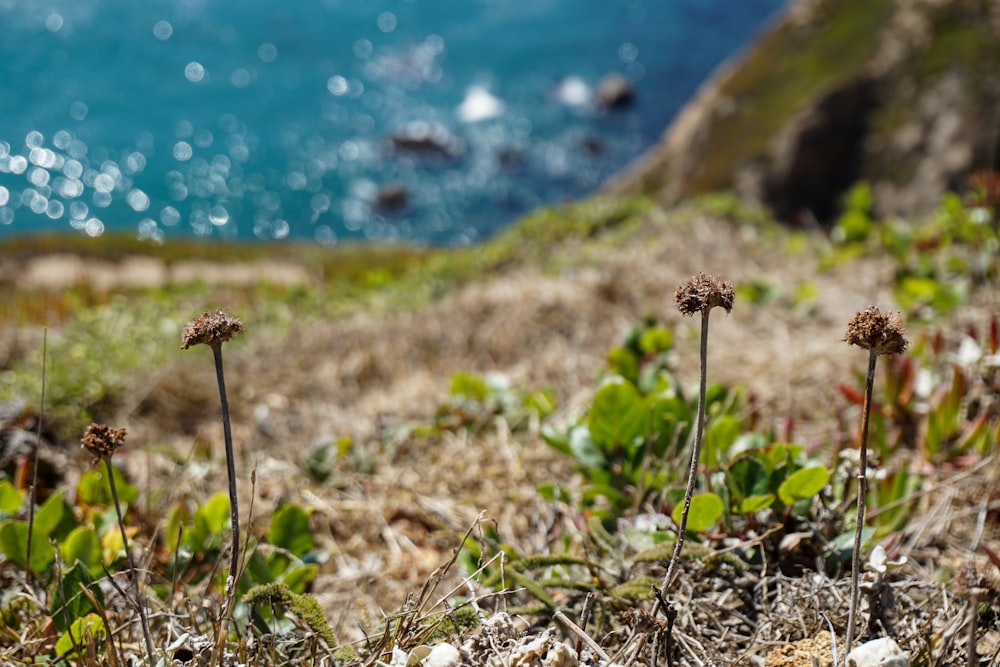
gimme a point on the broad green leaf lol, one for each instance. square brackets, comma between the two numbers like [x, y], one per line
[756, 503]
[748, 476]
[720, 435]
[469, 386]
[210, 519]
[706, 508]
[214, 514]
[296, 578]
[617, 414]
[91, 625]
[290, 529]
[49, 515]
[77, 603]
[10, 497]
[95, 490]
[14, 544]
[584, 450]
[656, 340]
[783, 453]
[84, 546]
[804, 483]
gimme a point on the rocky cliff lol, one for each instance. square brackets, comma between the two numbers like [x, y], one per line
[902, 93]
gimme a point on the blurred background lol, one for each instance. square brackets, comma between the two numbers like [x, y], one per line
[421, 121]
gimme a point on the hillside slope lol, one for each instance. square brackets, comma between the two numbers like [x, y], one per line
[901, 94]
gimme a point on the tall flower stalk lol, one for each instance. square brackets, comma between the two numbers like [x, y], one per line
[699, 294]
[214, 329]
[879, 333]
[102, 442]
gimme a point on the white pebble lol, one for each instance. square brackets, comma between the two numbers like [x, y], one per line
[884, 652]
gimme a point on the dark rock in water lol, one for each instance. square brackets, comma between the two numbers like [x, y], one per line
[428, 140]
[510, 158]
[593, 146]
[614, 91]
[392, 197]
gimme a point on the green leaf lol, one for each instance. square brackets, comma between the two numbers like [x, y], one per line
[720, 435]
[804, 483]
[14, 544]
[748, 476]
[298, 577]
[656, 340]
[290, 530]
[706, 508]
[82, 545]
[49, 515]
[585, 450]
[77, 603]
[209, 521]
[756, 503]
[91, 625]
[95, 490]
[10, 497]
[469, 386]
[617, 414]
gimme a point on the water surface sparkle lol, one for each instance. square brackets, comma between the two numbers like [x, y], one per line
[298, 120]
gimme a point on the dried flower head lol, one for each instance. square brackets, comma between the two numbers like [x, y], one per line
[211, 329]
[879, 332]
[704, 292]
[102, 441]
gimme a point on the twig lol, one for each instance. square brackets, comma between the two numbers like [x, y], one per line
[584, 637]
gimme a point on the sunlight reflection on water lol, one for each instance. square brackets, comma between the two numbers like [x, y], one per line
[291, 120]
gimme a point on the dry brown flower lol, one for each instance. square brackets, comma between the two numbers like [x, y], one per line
[704, 292]
[879, 332]
[102, 441]
[211, 329]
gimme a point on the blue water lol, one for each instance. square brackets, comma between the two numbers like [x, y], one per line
[274, 120]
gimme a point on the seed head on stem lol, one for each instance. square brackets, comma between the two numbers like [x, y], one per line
[102, 442]
[704, 292]
[879, 333]
[211, 329]
[698, 294]
[214, 329]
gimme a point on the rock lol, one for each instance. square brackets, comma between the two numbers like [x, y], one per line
[884, 652]
[427, 139]
[614, 91]
[442, 655]
[391, 197]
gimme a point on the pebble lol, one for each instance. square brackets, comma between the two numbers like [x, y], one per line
[884, 652]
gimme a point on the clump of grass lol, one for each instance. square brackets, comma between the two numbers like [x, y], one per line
[699, 294]
[102, 442]
[214, 329]
[879, 333]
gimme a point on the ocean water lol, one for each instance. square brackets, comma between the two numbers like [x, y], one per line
[425, 121]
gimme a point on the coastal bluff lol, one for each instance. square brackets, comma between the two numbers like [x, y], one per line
[902, 94]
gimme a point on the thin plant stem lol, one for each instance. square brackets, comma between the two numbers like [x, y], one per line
[34, 462]
[133, 572]
[862, 493]
[234, 510]
[693, 471]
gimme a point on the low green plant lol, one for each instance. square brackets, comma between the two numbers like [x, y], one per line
[639, 423]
